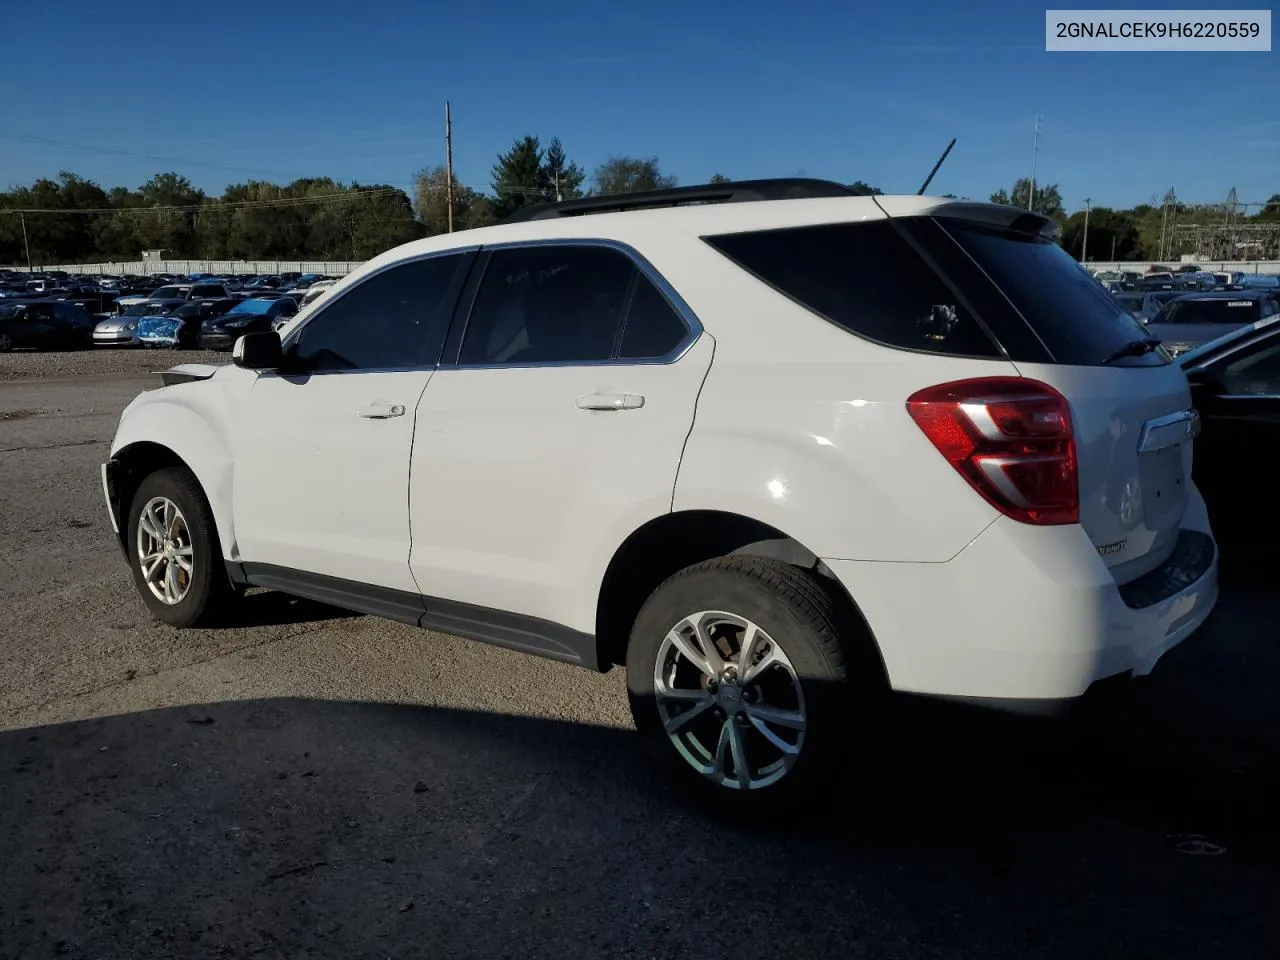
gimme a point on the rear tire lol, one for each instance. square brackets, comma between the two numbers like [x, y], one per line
[709, 712]
[174, 552]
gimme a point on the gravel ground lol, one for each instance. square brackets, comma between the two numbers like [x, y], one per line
[34, 365]
[307, 782]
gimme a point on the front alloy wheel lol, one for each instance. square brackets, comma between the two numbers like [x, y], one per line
[165, 555]
[729, 700]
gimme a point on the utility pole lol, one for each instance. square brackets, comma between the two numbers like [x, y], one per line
[1113, 246]
[1084, 244]
[448, 165]
[1035, 151]
[25, 244]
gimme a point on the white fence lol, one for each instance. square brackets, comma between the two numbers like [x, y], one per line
[1215, 266]
[335, 268]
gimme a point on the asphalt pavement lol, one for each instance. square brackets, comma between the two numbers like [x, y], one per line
[311, 783]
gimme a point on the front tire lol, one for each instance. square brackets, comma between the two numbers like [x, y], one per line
[174, 552]
[744, 678]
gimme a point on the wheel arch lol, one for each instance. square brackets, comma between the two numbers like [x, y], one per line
[132, 460]
[673, 541]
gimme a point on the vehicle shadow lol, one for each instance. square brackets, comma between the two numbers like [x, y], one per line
[267, 608]
[356, 829]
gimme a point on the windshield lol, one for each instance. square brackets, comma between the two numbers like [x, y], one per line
[170, 292]
[251, 307]
[1130, 303]
[141, 309]
[1211, 311]
[1076, 318]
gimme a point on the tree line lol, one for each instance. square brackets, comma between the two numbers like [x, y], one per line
[71, 219]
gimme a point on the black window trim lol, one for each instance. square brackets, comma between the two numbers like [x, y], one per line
[447, 310]
[462, 318]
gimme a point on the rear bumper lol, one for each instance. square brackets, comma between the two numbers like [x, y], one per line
[1027, 618]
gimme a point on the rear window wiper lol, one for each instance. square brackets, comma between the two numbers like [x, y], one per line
[1134, 348]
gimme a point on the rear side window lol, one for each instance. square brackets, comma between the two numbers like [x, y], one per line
[1210, 311]
[866, 278]
[548, 304]
[653, 328]
[1078, 321]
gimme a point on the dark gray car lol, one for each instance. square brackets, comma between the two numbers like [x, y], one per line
[1192, 319]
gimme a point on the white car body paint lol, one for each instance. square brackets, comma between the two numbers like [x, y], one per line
[494, 489]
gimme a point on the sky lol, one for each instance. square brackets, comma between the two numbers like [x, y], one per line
[266, 90]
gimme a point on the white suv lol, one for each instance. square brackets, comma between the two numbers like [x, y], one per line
[777, 455]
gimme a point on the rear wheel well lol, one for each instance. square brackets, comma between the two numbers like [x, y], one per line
[674, 541]
[134, 464]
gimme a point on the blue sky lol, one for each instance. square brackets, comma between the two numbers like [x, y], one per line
[237, 90]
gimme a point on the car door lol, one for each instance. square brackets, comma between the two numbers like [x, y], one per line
[322, 450]
[37, 327]
[554, 431]
[1238, 396]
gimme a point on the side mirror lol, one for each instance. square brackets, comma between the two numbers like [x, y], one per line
[258, 351]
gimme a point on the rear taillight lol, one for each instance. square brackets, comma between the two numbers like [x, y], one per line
[1011, 439]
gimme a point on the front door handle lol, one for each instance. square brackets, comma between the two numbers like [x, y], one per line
[610, 401]
[381, 411]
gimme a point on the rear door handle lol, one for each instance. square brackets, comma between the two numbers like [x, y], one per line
[381, 411]
[610, 401]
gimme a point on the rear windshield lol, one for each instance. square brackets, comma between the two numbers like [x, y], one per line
[1210, 311]
[207, 290]
[1076, 318]
[170, 292]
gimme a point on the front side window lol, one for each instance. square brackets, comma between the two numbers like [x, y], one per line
[394, 319]
[548, 304]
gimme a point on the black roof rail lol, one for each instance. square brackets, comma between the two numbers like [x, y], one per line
[742, 191]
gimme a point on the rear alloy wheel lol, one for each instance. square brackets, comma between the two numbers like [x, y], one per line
[744, 678]
[174, 551]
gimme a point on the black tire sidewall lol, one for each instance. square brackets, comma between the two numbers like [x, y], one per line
[827, 691]
[208, 573]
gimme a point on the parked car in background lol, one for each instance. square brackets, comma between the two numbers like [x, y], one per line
[1144, 306]
[102, 302]
[122, 330]
[1235, 383]
[44, 325]
[1258, 281]
[1192, 319]
[180, 328]
[253, 315]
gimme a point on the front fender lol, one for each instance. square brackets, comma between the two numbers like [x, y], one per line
[178, 418]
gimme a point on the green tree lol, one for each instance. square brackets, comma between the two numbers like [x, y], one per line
[519, 177]
[562, 178]
[630, 175]
[1048, 201]
[866, 187]
[470, 208]
[719, 178]
[1105, 226]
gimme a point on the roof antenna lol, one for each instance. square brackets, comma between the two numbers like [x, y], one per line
[929, 179]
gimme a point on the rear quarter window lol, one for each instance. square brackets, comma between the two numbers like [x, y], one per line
[864, 277]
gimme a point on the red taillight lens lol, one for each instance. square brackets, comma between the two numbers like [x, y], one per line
[1011, 439]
